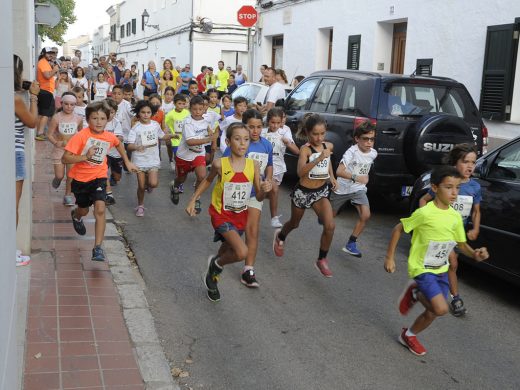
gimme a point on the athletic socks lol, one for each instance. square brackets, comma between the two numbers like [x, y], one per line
[323, 254]
[352, 239]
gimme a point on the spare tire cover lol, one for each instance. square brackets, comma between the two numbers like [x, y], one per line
[431, 139]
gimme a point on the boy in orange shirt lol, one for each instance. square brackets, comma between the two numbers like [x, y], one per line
[87, 150]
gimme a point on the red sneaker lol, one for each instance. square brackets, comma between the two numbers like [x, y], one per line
[323, 267]
[277, 244]
[406, 300]
[411, 343]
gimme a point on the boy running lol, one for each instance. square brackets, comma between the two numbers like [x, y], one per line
[174, 121]
[437, 228]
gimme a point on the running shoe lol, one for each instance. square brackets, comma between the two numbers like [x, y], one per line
[68, 200]
[198, 207]
[181, 188]
[275, 222]
[351, 249]
[110, 200]
[411, 343]
[40, 137]
[277, 244]
[173, 167]
[98, 254]
[323, 266]
[21, 260]
[211, 279]
[248, 279]
[174, 193]
[79, 226]
[55, 183]
[407, 299]
[139, 211]
[457, 307]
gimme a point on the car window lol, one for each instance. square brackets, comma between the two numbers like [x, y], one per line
[324, 94]
[507, 164]
[249, 91]
[356, 97]
[302, 94]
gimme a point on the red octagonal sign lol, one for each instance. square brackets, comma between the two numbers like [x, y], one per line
[247, 16]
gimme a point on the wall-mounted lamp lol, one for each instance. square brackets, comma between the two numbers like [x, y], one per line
[145, 16]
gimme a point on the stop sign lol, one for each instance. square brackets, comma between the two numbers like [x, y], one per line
[247, 16]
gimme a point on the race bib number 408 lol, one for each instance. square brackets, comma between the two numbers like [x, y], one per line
[100, 153]
[437, 254]
[262, 159]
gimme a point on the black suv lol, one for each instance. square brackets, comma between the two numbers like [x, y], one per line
[418, 120]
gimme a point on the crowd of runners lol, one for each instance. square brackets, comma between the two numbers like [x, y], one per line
[101, 128]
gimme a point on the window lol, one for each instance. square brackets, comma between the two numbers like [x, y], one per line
[507, 164]
[302, 94]
[354, 49]
[326, 95]
[128, 29]
[113, 32]
[122, 31]
[134, 26]
[424, 67]
[250, 92]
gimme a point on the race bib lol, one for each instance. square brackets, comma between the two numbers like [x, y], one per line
[101, 94]
[437, 253]
[178, 126]
[236, 196]
[262, 159]
[149, 137]
[321, 170]
[463, 205]
[68, 128]
[100, 151]
[276, 141]
[361, 169]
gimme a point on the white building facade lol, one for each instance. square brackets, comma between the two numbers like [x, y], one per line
[100, 45]
[192, 32]
[302, 36]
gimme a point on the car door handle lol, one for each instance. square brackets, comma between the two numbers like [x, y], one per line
[391, 132]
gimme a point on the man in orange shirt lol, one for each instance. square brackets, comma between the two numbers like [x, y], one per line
[87, 150]
[46, 72]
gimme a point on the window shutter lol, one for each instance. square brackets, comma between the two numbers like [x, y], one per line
[424, 67]
[354, 48]
[134, 24]
[498, 72]
[123, 31]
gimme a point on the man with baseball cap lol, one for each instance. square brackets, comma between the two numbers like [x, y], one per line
[45, 75]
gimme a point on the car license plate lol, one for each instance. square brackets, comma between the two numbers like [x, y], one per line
[406, 191]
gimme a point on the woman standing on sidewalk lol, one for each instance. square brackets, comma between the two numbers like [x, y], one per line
[24, 117]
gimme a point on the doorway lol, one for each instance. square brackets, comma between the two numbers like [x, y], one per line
[277, 52]
[398, 48]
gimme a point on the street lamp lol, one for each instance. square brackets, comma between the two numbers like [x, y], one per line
[145, 17]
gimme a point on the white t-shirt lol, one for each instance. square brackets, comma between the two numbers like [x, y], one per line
[276, 92]
[82, 82]
[279, 147]
[193, 129]
[167, 107]
[80, 110]
[223, 126]
[102, 90]
[114, 126]
[124, 114]
[147, 135]
[358, 163]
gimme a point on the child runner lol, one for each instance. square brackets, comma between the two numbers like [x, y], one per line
[260, 150]
[191, 154]
[352, 176]
[229, 203]
[227, 109]
[240, 104]
[128, 94]
[114, 160]
[62, 85]
[193, 89]
[168, 104]
[79, 108]
[463, 157]
[437, 228]
[124, 115]
[143, 140]
[101, 88]
[63, 125]
[313, 188]
[281, 139]
[214, 118]
[213, 101]
[87, 150]
[174, 121]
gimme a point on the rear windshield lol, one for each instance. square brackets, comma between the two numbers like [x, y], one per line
[249, 91]
[414, 100]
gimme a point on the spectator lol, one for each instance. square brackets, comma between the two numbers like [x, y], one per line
[127, 79]
[240, 76]
[118, 70]
[92, 75]
[82, 62]
[211, 79]
[47, 69]
[231, 84]
[167, 65]
[75, 63]
[222, 79]
[275, 92]
[281, 76]
[262, 70]
[135, 75]
[78, 78]
[186, 77]
[150, 81]
[201, 79]
[297, 80]
[103, 62]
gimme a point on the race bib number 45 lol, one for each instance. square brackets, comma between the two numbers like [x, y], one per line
[437, 254]
[101, 150]
[236, 196]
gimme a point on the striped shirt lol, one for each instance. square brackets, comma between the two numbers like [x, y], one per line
[19, 136]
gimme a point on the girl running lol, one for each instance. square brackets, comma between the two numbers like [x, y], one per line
[64, 124]
[281, 139]
[312, 190]
[226, 109]
[143, 140]
[80, 107]
[168, 104]
[62, 86]
[463, 157]
[229, 203]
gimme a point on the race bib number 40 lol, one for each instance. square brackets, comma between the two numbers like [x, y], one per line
[149, 137]
[101, 150]
[437, 254]
[262, 159]
[68, 128]
[236, 196]
[276, 141]
[463, 205]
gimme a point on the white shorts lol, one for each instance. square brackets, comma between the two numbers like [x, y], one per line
[255, 204]
[278, 178]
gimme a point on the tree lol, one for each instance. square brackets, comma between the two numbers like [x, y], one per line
[56, 33]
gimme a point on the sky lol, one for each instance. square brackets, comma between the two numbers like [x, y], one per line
[86, 12]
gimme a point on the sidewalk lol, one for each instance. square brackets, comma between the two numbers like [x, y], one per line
[76, 336]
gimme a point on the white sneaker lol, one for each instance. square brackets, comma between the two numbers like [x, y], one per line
[21, 260]
[173, 167]
[275, 222]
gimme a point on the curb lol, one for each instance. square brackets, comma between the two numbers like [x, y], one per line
[152, 362]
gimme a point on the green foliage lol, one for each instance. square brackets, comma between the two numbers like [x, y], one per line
[56, 34]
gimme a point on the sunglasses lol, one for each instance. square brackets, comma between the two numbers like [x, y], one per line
[370, 139]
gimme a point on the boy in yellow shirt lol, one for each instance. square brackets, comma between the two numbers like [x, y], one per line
[175, 122]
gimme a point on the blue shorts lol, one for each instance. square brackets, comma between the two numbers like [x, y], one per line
[433, 284]
[224, 228]
[20, 165]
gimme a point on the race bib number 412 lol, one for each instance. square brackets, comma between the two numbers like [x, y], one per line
[236, 196]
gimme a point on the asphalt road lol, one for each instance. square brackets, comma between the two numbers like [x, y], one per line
[300, 330]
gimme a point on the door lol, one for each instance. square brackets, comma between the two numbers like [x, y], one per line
[398, 48]
[277, 52]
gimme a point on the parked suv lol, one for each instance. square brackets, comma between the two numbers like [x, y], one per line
[418, 120]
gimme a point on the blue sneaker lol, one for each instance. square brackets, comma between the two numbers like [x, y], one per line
[351, 249]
